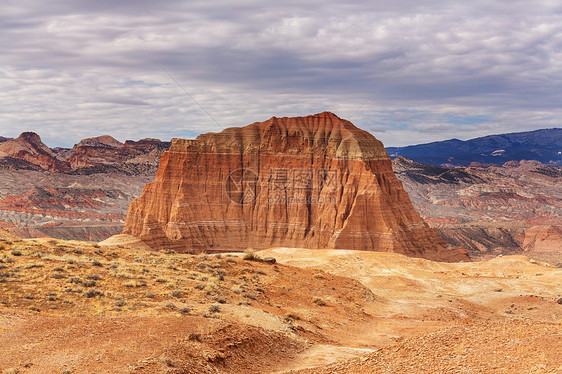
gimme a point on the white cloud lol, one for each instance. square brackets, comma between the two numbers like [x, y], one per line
[86, 68]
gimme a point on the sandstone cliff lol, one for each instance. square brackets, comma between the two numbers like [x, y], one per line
[312, 182]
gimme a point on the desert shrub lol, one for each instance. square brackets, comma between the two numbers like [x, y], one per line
[120, 302]
[96, 263]
[250, 255]
[150, 295]
[292, 316]
[194, 337]
[58, 276]
[237, 290]
[58, 268]
[93, 277]
[184, 310]
[215, 308]
[70, 260]
[92, 293]
[75, 280]
[220, 300]
[16, 252]
[130, 284]
[90, 283]
[318, 301]
[28, 297]
[176, 293]
[33, 266]
[171, 306]
[169, 362]
[161, 280]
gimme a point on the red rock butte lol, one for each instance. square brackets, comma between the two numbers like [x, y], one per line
[303, 182]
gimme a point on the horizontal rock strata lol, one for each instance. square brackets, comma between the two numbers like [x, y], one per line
[312, 182]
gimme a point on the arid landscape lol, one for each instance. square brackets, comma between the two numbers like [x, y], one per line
[513, 208]
[208, 275]
[80, 308]
[280, 187]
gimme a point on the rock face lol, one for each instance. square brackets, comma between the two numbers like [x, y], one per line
[489, 209]
[543, 239]
[312, 182]
[105, 151]
[86, 192]
[103, 141]
[29, 148]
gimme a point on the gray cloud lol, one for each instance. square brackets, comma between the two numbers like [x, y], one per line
[122, 101]
[468, 69]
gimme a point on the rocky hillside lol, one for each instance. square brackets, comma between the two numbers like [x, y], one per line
[543, 145]
[489, 208]
[29, 148]
[79, 193]
[90, 156]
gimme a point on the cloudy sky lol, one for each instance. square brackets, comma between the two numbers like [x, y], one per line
[408, 71]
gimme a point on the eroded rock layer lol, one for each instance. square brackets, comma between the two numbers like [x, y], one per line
[311, 182]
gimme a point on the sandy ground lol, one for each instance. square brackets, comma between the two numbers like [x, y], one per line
[316, 311]
[509, 294]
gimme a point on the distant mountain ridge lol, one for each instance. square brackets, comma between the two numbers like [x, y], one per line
[543, 145]
[90, 156]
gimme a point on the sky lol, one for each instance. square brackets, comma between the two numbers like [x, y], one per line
[409, 72]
